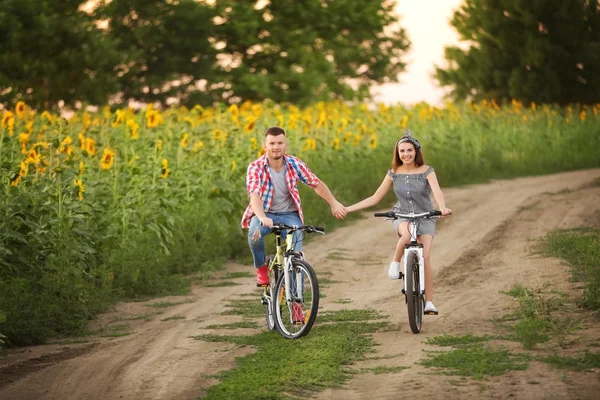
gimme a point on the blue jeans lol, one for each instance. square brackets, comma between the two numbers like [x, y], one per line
[258, 247]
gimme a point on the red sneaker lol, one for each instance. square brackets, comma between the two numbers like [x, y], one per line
[297, 314]
[262, 276]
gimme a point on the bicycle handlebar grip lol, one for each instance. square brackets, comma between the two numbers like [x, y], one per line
[385, 214]
[435, 213]
[319, 228]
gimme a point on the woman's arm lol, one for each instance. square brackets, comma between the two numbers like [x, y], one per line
[437, 193]
[376, 198]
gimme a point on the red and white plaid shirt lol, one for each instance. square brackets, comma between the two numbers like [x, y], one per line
[258, 180]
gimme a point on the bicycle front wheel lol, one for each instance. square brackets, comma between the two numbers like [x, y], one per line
[295, 318]
[269, 294]
[414, 300]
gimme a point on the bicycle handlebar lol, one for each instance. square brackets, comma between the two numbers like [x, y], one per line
[305, 228]
[396, 215]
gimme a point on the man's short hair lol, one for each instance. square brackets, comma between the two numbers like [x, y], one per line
[274, 131]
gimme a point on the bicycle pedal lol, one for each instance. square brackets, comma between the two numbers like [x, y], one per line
[259, 285]
[430, 313]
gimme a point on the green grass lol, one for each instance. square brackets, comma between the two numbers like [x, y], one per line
[145, 317]
[350, 315]
[245, 308]
[477, 361]
[586, 362]
[323, 282]
[536, 319]
[385, 370]
[235, 325]
[234, 275]
[223, 284]
[563, 191]
[336, 255]
[343, 301]
[282, 368]
[448, 340]
[115, 334]
[173, 318]
[581, 249]
[165, 304]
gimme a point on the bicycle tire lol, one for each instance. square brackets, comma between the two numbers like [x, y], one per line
[308, 302]
[269, 316]
[414, 302]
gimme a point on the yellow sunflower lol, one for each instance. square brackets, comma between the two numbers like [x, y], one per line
[164, 168]
[108, 158]
[21, 109]
[15, 180]
[90, 146]
[80, 188]
[184, 140]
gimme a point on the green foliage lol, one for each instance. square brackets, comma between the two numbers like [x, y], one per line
[198, 52]
[2, 320]
[543, 51]
[581, 249]
[52, 51]
[164, 46]
[302, 52]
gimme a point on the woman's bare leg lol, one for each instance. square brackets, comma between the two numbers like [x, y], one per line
[404, 239]
[427, 241]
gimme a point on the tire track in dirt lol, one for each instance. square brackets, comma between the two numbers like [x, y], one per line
[482, 249]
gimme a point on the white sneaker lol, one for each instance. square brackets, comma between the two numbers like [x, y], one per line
[394, 271]
[430, 309]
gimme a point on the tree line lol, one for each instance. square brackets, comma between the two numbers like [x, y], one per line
[203, 52]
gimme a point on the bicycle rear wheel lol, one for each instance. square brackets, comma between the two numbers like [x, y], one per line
[295, 319]
[414, 300]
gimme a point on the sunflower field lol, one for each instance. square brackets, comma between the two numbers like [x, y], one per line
[119, 203]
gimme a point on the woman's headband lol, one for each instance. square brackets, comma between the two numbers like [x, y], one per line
[409, 138]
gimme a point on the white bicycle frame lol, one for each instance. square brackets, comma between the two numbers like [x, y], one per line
[414, 249]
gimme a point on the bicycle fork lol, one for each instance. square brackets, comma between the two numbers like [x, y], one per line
[408, 252]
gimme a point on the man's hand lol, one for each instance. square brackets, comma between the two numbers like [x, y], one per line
[268, 222]
[338, 210]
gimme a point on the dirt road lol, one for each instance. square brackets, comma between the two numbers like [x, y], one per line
[484, 248]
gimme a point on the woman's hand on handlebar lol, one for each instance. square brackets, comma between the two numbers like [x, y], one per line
[446, 211]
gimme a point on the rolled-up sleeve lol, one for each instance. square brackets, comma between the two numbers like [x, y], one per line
[305, 174]
[253, 179]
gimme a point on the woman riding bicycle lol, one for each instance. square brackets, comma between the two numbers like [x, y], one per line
[413, 182]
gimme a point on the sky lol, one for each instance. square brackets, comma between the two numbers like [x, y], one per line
[427, 23]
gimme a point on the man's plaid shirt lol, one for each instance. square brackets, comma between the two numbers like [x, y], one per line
[258, 180]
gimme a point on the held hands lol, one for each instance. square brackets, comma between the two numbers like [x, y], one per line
[338, 210]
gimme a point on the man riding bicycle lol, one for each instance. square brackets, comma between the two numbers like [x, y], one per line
[272, 184]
